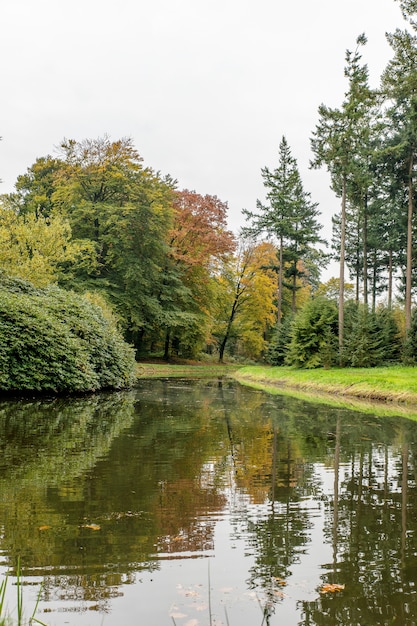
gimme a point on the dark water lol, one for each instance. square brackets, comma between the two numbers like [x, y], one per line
[207, 503]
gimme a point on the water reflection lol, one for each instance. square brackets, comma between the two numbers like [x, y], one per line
[119, 503]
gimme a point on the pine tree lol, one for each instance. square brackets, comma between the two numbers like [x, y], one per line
[340, 142]
[289, 216]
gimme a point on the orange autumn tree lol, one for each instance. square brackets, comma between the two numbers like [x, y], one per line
[199, 240]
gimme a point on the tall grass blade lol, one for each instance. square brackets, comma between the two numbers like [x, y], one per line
[209, 594]
[19, 594]
[33, 618]
[3, 586]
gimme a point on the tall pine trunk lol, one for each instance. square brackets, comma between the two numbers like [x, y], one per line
[409, 269]
[342, 268]
[280, 276]
[390, 279]
[365, 250]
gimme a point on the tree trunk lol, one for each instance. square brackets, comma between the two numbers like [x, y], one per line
[342, 268]
[409, 269]
[390, 280]
[229, 326]
[294, 289]
[280, 274]
[365, 250]
[167, 342]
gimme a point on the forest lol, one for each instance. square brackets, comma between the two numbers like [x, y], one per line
[95, 224]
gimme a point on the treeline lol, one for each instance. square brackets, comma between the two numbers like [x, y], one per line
[95, 219]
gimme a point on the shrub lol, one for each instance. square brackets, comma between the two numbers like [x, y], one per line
[280, 341]
[371, 338]
[314, 335]
[56, 341]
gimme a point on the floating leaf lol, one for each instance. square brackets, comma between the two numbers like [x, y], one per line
[331, 588]
[44, 527]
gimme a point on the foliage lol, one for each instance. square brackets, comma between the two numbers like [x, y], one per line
[289, 217]
[313, 335]
[410, 349]
[245, 301]
[278, 346]
[52, 340]
[40, 249]
[372, 337]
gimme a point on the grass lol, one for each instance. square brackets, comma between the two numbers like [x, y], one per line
[183, 370]
[389, 391]
[5, 617]
[389, 384]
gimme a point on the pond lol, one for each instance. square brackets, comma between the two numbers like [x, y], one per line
[207, 503]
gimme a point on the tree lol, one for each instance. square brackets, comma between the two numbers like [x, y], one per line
[245, 297]
[289, 217]
[399, 83]
[40, 249]
[313, 335]
[338, 142]
[199, 241]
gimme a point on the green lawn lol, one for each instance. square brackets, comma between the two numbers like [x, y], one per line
[397, 384]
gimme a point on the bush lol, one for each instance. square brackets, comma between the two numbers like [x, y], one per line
[56, 341]
[280, 341]
[371, 338]
[314, 335]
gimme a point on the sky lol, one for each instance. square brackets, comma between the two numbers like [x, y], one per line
[205, 88]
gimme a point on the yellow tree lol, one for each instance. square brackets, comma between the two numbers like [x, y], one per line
[247, 297]
[36, 248]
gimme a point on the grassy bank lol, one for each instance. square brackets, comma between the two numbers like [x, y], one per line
[388, 384]
[183, 370]
[389, 391]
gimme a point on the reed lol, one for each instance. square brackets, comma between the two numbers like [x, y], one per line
[5, 616]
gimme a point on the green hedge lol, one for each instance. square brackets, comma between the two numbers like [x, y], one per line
[53, 340]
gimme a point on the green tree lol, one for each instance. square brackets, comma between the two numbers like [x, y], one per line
[289, 217]
[399, 83]
[338, 143]
[314, 335]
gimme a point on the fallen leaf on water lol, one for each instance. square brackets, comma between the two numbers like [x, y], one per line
[92, 526]
[178, 615]
[331, 588]
[226, 589]
[45, 527]
[280, 581]
[192, 622]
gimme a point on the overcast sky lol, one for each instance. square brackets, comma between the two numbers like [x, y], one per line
[206, 88]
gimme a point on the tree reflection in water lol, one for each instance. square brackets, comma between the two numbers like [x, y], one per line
[98, 491]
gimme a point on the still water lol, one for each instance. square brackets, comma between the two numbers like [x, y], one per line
[205, 503]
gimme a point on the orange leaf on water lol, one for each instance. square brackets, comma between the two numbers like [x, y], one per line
[331, 588]
[45, 527]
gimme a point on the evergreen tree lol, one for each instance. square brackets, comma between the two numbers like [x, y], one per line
[314, 335]
[399, 83]
[278, 347]
[289, 216]
[340, 142]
